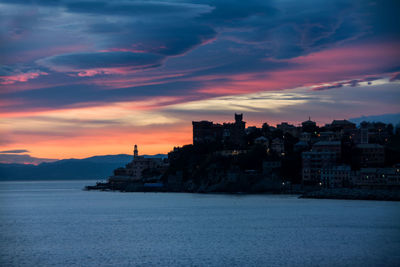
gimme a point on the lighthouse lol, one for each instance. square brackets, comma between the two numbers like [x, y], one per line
[135, 152]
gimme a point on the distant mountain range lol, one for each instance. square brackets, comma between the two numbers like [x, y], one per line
[385, 118]
[97, 167]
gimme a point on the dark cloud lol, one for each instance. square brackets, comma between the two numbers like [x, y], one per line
[284, 29]
[249, 65]
[22, 159]
[395, 77]
[300, 27]
[383, 17]
[130, 8]
[167, 38]
[327, 87]
[237, 38]
[119, 7]
[370, 79]
[94, 60]
[351, 83]
[74, 95]
[15, 151]
[354, 83]
[224, 13]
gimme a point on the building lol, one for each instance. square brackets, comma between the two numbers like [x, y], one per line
[377, 132]
[230, 134]
[328, 146]
[314, 162]
[252, 129]
[300, 146]
[320, 165]
[377, 178]
[278, 146]
[269, 166]
[261, 141]
[288, 128]
[235, 133]
[305, 137]
[339, 125]
[206, 132]
[328, 136]
[364, 137]
[309, 126]
[134, 169]
[231, 152]
[370, 155]
[336, 176]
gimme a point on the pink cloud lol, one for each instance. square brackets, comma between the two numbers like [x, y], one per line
[395, 77]
[22, 77]
[327, 87]
[361, 62]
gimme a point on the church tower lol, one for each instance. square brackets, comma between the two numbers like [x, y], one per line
[135, 152]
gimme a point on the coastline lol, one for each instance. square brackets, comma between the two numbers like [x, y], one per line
[354, 194]
[338, 193]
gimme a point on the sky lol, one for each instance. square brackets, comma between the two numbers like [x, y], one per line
[82, 78]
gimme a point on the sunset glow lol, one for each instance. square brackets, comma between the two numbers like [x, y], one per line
[79, 79]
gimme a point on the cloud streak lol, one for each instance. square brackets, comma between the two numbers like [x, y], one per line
[15, 151]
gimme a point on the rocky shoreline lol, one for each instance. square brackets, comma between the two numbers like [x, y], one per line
[339, 193]
[354, 194]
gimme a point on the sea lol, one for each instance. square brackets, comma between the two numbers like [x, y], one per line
[56, 223]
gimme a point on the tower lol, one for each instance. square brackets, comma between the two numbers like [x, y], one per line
[135, 152]
[238, 117]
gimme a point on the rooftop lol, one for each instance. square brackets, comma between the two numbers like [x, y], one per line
[327, 143]
[369, 146]
[342, 122]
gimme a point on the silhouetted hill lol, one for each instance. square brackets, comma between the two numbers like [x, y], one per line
[97, 167]
[385, 118]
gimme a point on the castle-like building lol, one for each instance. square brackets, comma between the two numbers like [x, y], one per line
[231, 134]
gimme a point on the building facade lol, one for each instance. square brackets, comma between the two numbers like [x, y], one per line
[228, 133]
[313, 164]
[377, 178]
[336, 176]
[134, 169]
[370, 155]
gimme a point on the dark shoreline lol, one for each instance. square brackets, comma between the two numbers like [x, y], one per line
[338, 193]
[354, 194]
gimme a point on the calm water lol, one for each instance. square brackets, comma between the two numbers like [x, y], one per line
[58, 224]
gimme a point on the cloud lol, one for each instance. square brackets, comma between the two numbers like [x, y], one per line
[23, 159]
[294, 105]
[284, 32]
[102, 60]
[351, 83]
[21, 77]
[135, 8]
[327, 87]
[165, 38]
[18, 73]
[395, 77]
[15, 151]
